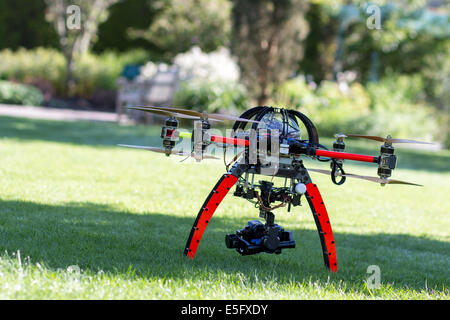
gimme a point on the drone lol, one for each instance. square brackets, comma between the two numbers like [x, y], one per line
[271, 144]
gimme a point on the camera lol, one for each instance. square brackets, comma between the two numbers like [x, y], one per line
[257, 237]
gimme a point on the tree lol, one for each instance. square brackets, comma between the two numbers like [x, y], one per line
[267, 38]
[113, 34]
[180, 24]
[23, 24]
[320, 45]
[65, 15]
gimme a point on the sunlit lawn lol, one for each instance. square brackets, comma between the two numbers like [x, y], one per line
[83, 219]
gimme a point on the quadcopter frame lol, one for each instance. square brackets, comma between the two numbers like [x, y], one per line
[288, 147]
[298, 172]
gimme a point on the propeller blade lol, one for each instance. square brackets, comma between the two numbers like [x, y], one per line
[161, 150]
[192, 113]
[154, 149]
[372, 179]
[164, 112]
[393, 181]
[380, 139]
[213, 116]
[327, 172]
[231, 118]
[205, 156]
[381, 181]
[388, 140]
[410, 141]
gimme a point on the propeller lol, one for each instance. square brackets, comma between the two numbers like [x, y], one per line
[388, 139]
[164, 112]
[192, 114]
[161, 150]
[373, 179]
[382, 181]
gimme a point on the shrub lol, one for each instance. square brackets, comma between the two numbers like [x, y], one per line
[331, 106]
[215, 66]
[394, 90]
[14, 93]
[399, 108]
[411, 122]
[209, 81]
[211, 96]
[91, 72]
[28, 65]
[393, 106]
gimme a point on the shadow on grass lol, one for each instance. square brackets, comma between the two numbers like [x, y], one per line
[98, 237]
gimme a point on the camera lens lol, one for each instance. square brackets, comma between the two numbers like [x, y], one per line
[231, 241]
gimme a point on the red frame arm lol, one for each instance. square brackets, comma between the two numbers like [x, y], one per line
[322, 153]
[323, 226]
[346, 156]
[233, 141]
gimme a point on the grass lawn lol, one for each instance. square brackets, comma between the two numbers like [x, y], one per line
[83, 219]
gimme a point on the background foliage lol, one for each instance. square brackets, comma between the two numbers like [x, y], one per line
[23, 24]
[45, 68]
[391, 106]
[274, 43]
[268, 40]
[16, 93]
[184, 23]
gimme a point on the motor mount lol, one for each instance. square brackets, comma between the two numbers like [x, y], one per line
[169, 134]
[201, 138]
[388, 160]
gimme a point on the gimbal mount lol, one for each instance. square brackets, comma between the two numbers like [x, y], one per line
[257, 237]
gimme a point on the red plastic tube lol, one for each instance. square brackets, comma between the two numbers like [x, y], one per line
[346, 156]
[233, 141]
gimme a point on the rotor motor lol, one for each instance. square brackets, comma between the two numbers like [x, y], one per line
[169, 134]
[387, 160]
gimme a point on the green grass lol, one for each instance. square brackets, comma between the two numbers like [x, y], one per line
[83, 219]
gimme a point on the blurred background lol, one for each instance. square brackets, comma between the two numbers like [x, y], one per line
[374, 67]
